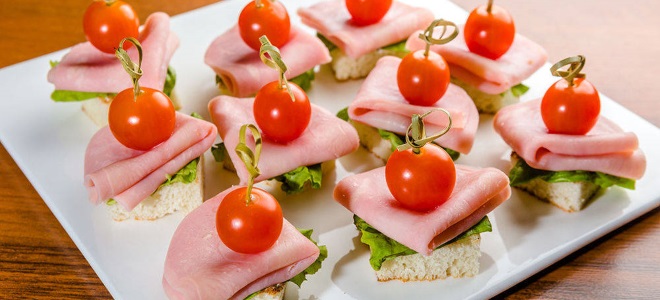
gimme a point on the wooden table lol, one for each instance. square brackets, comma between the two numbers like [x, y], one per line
[620, 40]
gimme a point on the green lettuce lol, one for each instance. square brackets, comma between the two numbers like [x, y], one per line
[170, 81]
[384, 248]
[399, 47]
[187, 174]
[397, 140]
[343, 114]
[304, 80]
[519, 89]
[294, 181]
[74, 96]
[522, 173]
[316, 265]
[312, 269]
[219, 152]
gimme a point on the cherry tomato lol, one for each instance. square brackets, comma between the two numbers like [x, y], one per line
[421, 181]
[271, 20]
[570, 109]
[105, 25]
[367, 12]
[249, 227]
[141, 123]
[489, 34]
[279, 117]
[423, 80]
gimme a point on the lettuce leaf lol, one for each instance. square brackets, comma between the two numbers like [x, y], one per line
[170, 81]
[294, 181]
[328, 44]
[399, 47]
[219, 152]
[187, 174]
[397, 140]
[304, 80]
[74, 96]
[316, 265]
[343, 114]
[384, 248]
[519, 89]
[522, 173]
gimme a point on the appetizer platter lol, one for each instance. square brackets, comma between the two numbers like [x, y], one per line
[48, 141]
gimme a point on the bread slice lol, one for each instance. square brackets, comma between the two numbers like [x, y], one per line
[178, 196]
[97, 108]
[371, 140]
[346, 67]
[273, 292]
[458, 259]
[487, 103]
[569, 196]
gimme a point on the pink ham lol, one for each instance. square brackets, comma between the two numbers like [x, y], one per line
[86, 69]
[606, 148]
[129, 176]
[477, 192]
[326, 138]
[380, 104]
[489, 76]
[332, 20]
[199, 266]
[243, 73]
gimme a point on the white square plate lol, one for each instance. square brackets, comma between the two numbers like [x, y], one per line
[47, 140]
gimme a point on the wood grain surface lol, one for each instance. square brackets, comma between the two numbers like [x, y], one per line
[620, 39]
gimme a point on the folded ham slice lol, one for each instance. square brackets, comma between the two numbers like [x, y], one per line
[128, 176]
[243, 73]
[326, 138]
[476, 193]
[379, 104]
[86, 69]
[489, 76]
[199, 266]
[606, 148]
[332, 20]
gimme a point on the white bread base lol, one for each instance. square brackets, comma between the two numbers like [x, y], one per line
[458, 259]
[569, 196]
[487, 103]
[371, 140]
[97, 108]
[178, 196]
[346, 68]
[273, 292]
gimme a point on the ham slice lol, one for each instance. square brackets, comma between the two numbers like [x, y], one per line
[326, 137]
[332, 20]
[243, 73]
[199, 266]
[379, 104]
[86, 69]
[606, 148]
[476, 193]
[489, 76]
[128, 176]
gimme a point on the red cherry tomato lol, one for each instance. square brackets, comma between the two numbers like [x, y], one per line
[249, 228]
[281, 119]
[421, 181]
[423, 80]
[105, 25]
[367, 12]
[570, 109]
[489, 34]
[141, 123]
[271, 20]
